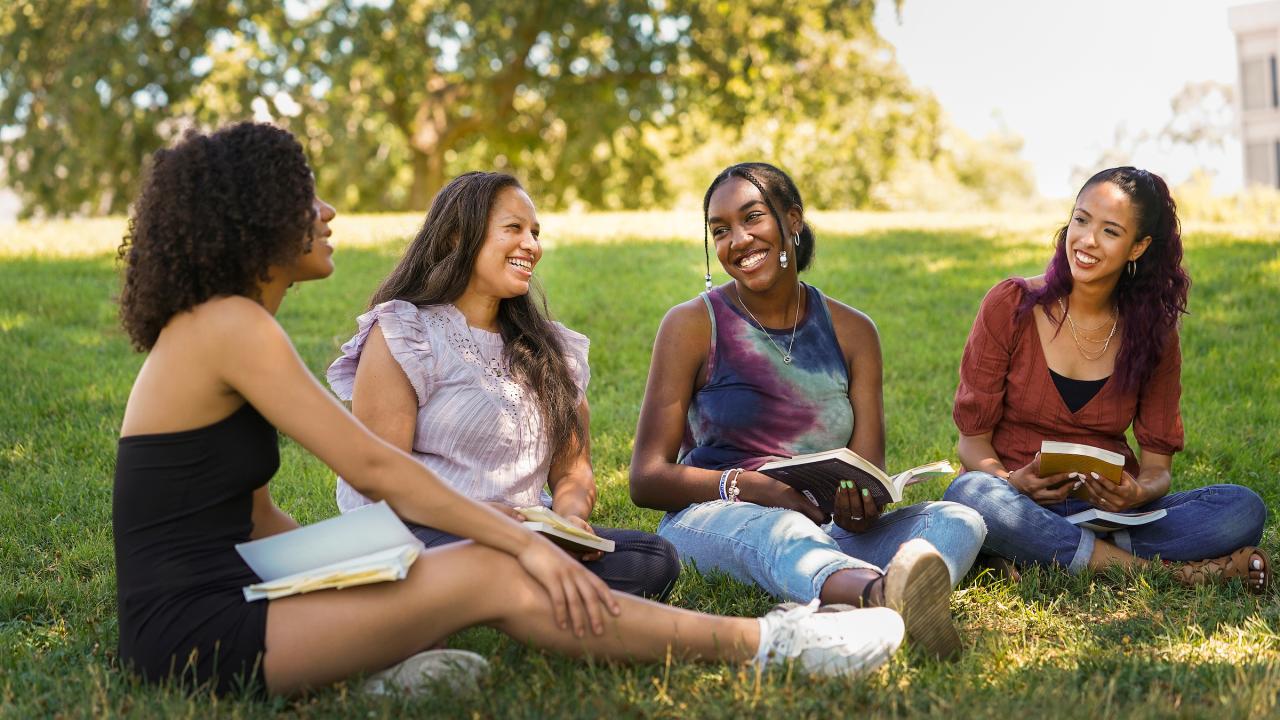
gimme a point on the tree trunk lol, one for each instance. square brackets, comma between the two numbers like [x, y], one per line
[428, 178]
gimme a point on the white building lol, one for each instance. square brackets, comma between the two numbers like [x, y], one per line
[1257, 29]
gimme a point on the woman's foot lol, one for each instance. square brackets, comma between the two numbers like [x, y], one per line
[917, 584]
[458, 669]
[1249, 564]
[850, 643]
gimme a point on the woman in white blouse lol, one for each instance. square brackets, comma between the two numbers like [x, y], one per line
[457, 364]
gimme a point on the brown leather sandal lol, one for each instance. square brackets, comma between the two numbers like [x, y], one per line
[1227, 567]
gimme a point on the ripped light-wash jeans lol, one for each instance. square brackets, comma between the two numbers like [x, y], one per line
[789, 556]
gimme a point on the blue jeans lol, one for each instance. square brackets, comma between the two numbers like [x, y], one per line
[1207, 522]
[789, 556]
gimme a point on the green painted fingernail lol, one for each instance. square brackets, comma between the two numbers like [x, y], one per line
[865, 492]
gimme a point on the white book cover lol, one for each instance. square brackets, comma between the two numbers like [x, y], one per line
[365, 543]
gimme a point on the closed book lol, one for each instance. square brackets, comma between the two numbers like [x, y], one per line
[364, 546]
[817, 476]
[1066, 457]
[1101, 521]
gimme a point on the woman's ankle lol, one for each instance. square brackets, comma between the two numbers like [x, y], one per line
[860, 587]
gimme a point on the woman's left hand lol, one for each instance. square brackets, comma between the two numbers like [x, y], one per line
[855, 510]
[583, 524]
[1106, 495]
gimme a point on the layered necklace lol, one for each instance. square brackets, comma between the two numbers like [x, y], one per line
[1078, 334]
[786, 356]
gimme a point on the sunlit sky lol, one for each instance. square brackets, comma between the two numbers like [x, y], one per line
[1063, 75]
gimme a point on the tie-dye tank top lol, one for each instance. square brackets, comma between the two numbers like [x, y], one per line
[755, 407]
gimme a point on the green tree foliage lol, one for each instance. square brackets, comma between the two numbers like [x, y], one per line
[598, 103]
[89, 87]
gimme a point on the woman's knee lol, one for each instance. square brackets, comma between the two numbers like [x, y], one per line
[973, 489]
[959, 521]
[1244, 510]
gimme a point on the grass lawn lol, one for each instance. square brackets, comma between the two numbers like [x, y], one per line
[1109, 645]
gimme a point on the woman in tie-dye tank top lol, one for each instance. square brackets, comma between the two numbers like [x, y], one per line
[764, 367]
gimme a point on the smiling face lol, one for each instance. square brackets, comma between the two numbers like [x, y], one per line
[317, 262]
[504, 265]
[1101, 236]
[747, 237]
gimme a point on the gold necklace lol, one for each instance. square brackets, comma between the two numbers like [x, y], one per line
[786, 356]
[1075, 333]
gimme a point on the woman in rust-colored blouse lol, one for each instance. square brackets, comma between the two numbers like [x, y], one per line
[1080, 354]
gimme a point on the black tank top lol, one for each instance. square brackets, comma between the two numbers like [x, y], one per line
[182, 501]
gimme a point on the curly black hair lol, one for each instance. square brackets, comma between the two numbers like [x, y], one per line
[215, 213]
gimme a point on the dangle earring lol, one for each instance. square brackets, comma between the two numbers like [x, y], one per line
[782, 256]
[1133, 268]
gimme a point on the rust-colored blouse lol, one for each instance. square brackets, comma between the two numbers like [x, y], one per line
[1005, 389]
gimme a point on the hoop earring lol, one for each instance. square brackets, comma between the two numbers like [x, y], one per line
[1133, 268]
[796, 241]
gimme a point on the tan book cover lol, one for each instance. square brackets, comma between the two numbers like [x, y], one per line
[1065, 457]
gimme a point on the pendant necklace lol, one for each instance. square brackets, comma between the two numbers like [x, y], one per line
[786, 356]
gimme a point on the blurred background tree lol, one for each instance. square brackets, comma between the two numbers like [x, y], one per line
[597, 104]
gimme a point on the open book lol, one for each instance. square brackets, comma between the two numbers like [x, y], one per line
[558, 530]
[817, 476]
[1101, 521]
[364, 546]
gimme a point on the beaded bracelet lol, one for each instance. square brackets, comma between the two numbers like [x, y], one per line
[733, 491]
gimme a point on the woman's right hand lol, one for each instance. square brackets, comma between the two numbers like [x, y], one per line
[1043, 490]
[758, 488]
[577, 596]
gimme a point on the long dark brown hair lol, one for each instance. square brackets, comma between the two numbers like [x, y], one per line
[1151, 299]
[435, 270]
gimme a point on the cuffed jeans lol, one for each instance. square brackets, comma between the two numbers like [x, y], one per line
[789, 556]
[1207, 522]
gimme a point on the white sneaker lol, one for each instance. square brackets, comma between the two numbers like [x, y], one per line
[460, 669]
[852, 642]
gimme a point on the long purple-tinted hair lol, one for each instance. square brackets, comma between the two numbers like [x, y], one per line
[1151, 300]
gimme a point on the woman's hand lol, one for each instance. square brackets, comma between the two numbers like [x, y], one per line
[1106, 495]
[577, 596]
[1043, 490]
[856, 510]
[758, 488]
[584, 525]
[507, 510]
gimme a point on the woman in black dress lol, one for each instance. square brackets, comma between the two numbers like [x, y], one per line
[224, 225]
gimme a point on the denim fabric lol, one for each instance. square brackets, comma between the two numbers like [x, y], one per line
[789, 556]
[1203, 523]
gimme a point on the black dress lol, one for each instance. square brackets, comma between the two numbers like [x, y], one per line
[182, 501]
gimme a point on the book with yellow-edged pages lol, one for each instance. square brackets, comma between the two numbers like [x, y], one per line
[817, 476]
[367, 545]
[1060, 457]
[558, 530]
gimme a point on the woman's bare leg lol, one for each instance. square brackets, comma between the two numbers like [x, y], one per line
[316, 639]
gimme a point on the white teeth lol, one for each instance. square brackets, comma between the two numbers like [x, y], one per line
[1083, 259]
[522, 264]
[752, 260]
